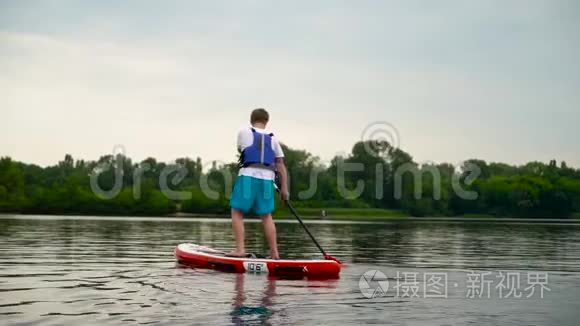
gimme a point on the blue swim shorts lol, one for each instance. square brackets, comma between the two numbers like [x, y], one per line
[253, 194]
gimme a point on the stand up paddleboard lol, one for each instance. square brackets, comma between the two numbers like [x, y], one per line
[205, 257]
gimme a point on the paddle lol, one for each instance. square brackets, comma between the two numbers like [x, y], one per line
[293, 211]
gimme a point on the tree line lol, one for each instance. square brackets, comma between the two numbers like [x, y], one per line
[373, 175]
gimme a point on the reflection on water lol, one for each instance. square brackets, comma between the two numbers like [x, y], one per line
[244, 313]
[103, 271]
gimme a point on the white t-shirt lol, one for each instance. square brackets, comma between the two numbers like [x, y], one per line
[246, 139]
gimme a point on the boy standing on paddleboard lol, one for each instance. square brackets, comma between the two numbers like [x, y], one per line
[254, 190]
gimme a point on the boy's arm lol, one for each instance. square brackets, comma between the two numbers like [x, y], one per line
[240, 141]
[283, 173]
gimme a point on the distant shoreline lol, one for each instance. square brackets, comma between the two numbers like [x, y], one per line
[310, 219]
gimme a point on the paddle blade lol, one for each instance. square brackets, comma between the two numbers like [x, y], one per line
[329, 257]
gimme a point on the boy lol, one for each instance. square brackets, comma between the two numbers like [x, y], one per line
[261, 158]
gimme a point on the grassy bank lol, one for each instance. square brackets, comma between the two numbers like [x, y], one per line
[574, 216]
[479, 216]
[354, 214]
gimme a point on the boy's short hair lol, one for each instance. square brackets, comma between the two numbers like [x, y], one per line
[259, 115]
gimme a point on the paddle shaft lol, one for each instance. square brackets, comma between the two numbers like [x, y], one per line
[293, 211]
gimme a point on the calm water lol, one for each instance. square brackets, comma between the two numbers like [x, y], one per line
[72, 271]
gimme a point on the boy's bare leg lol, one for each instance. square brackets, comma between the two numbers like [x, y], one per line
[238, 227]
[270, 232]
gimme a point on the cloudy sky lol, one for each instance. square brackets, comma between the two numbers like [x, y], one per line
[492, 79]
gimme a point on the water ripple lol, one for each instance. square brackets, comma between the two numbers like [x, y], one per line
[82, 271]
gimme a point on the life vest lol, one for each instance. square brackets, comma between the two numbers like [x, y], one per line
[260, 153]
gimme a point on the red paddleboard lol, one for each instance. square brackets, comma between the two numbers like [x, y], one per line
[205, 257]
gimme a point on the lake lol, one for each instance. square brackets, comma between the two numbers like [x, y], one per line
[92, 270]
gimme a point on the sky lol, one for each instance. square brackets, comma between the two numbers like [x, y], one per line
[449, 80]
